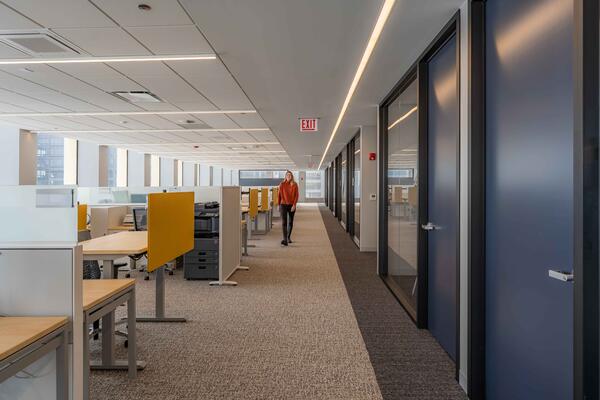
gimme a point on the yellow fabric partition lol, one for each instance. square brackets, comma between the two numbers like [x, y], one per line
[275, 196]
[264, 199]
[170, 227]
[82, 217]
[253, 206]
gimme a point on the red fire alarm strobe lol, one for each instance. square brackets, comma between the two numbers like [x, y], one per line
[372, 156]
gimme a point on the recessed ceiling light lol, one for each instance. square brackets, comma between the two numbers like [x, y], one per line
[144, 7]
[381, 20]
[81, 60]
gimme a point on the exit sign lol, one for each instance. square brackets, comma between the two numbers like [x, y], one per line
[308, 125]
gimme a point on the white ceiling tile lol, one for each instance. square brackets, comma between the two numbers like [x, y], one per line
[248, 120]
[101, 76]
[58, 14]
[27, 102]
[11, 20]
[103, 41]
[171, 39]
[8, 52]
[215, 82]
[126, 12]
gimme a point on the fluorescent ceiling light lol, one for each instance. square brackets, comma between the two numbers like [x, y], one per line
[402, 118]
[383, 16]
[125, 113]
[217, 152]
[155, 130]
[85, 60]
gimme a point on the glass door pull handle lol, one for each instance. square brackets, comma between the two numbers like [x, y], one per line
[429, 227]
[561, 275]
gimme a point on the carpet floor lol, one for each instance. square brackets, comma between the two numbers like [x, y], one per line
[408, 362]
[287, 331]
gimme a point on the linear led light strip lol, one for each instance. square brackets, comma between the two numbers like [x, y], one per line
[87, 60]
[383, 16]
[191, 144]
[402, 118]
[217, 152]
[157, 130]
[125, 113]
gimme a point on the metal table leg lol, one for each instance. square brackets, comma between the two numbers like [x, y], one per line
[62, 368]
[108, 269]
[131, 338]
[160, 301]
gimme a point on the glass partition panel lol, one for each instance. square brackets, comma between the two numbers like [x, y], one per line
[32, 214]
[356, 186]
[402, 197]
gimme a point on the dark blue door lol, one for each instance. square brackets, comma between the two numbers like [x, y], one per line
[443, 142]
[529, 189]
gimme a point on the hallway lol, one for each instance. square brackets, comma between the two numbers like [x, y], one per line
[288, 331]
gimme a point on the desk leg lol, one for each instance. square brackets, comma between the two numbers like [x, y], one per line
[108, 339]
[131, 339]
[160, 301]
[86, 362]
[108, 269]
[62, 368]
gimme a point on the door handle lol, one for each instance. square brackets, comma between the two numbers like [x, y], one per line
[429, 227]
[564, 276]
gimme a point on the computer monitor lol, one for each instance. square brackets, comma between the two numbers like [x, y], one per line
[140, 219]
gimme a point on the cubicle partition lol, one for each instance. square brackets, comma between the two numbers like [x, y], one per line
[41, 270]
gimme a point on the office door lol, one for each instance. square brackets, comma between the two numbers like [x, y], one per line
[442, 195]
[529, 199]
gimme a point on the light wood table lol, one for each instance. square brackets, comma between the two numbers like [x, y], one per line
[100, 299]
[24, 340]
[121, 228]
[111, 247]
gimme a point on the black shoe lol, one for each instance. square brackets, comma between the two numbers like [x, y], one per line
[284, 243]
[290, 240]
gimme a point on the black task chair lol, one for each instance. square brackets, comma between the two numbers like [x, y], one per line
[91, 270]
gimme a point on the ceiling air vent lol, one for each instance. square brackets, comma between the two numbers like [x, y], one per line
[138, 97]
[194, 125]
[38, 44]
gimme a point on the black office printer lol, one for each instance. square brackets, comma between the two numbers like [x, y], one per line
[203, 261]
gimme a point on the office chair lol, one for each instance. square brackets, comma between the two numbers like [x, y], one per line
[91, 270]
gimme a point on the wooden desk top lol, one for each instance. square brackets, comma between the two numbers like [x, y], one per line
[16, 333]
[122, 228]
[95, 291]
[125, 243]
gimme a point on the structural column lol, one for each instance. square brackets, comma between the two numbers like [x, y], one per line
[18, 152]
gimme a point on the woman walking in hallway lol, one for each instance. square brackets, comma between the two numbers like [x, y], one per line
[288, 197]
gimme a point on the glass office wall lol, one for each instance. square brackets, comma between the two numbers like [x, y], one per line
[402, 196]
[344, 187]
[50, 159]
[356, 187]
[315, 185]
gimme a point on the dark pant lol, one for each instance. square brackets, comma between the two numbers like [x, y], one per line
[287, 220]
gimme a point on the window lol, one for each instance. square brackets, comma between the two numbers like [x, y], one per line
[50, 159]
[315, 184]
[262, 177]
[179, 173]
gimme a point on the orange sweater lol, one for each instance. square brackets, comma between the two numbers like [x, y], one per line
[288, 193]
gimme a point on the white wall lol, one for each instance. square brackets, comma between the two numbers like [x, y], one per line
[167, 171]
[235, 177]
[136, 173]
[226, 177]
[9, 156]
[189, 174]
[217, 176]
[88, 173]
[18, 151]
[301, 181]
[368, 186]
[204, 175]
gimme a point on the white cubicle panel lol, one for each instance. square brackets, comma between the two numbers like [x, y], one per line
[130, 195]
[35, 214]
[43, 281]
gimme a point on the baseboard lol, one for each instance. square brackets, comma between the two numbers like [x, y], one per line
[367, 249]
